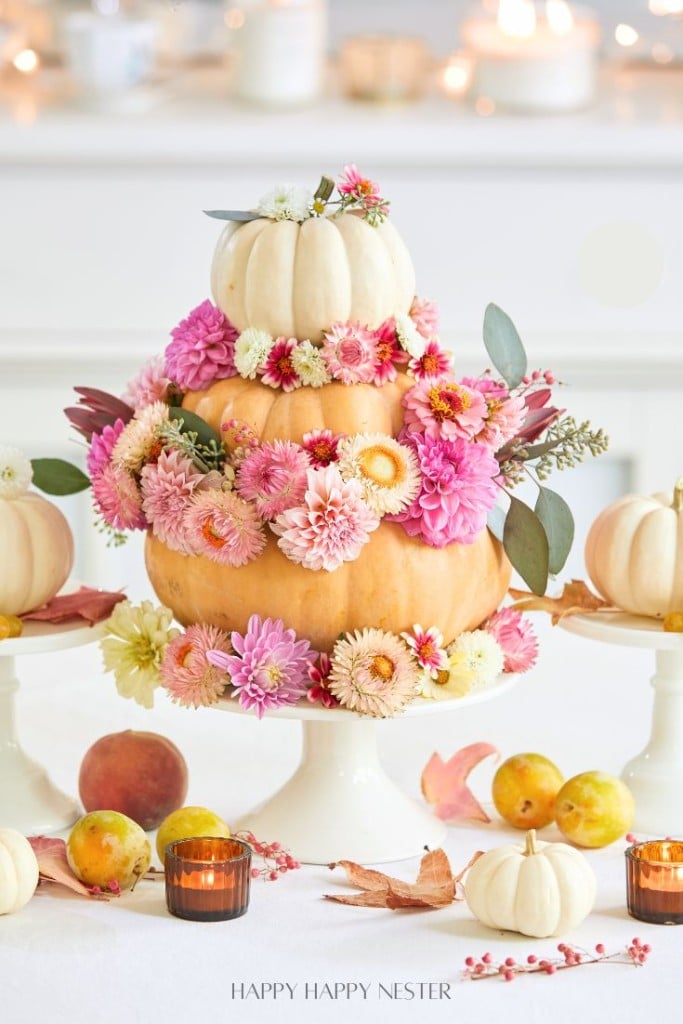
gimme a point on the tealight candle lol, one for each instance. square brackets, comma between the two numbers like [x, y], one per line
[534, 63]
[208, 878]
[654, 881]
[108, 53]
[383, 68]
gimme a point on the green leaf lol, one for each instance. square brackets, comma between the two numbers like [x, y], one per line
[56, 476]
[241, 215]
[558, 522]
[324, 189]
[526, 545]
[191, 423]
[503, 345]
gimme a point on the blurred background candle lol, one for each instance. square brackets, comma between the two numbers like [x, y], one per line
[383, 68]
[279, 50]
[107, 52]
[535, 61]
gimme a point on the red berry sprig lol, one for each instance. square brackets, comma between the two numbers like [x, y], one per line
[476, 969]
[276, 861]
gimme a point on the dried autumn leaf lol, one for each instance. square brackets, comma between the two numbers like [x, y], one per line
[53, 865]
[435, 886]
[444, 783]
[85, 603]
[576, 598]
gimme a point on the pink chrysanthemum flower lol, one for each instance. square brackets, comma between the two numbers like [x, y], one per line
[269, 666]
[350, 353]
[223, 527]
[428, 647]
[330, 527]
[279, 370]
[149, 385]
[321, 447]
[373, 673]
[190, 678]
[118, 499]
[353, 183]
[318, 692]
[457, 490]
[167, 486]
[444, 409]
[273, 476]
[101, 447]
[425, 316]
[516, 637]
[202, 349]
[432, 364]
[506, 412]
[388, 352]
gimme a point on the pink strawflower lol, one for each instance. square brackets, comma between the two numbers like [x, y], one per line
[444, 409]
[318, 692]
[350, 353]
[332, 524]
[118, 499]
[269, 666]
[457, 490]
[186, 673]
[279, 370]
[167, 486]
[202, 349]
[321, 447]
[388, 352]
[425, 316]
[516, 637]
[273, 476]
[428, 647]
[101, 447]
[432, 364]
[151, 384]
[354, 184]
[373, 673]
[224, 528]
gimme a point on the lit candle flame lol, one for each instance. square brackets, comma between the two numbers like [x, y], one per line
[517, 18]
[559, 16]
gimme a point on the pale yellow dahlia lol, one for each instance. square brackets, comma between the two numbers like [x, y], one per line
[139, 437]
[483, 655]
[455, 679]
[373, 673]
[388, 471]
[134, 649]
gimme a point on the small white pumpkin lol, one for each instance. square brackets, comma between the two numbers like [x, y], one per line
[18, 871]
[634, 553]
[538, 889]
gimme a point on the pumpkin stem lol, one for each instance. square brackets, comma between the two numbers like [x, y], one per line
[530, 847]
[677, 504]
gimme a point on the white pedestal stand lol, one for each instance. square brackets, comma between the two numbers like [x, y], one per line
[655, 777]
[340, 803]
[29, 801]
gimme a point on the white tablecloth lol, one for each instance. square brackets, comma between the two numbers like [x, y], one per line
[68, 959]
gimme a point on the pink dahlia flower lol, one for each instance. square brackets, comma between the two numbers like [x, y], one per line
[224, 528]
[388, 352]
[269, 666]
[516, 637]
[190, 678]
[350, 353]
[118, 499]
[167, 486]
[444, 409]
[321, 447]
[202, 349]
[330, 527]
[457, 490]
[101, 447]
[273, 476]
[151, 384]
[432, 364]
[279, 370]
[425, 316]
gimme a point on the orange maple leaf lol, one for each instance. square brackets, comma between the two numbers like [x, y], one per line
[444, 783]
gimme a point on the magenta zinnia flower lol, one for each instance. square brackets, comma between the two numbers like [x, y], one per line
[444, 409]
[506, 412]
[167, 486]
[516, 637]
[388, 353]
[321, 447]
[269, 666]
[101, 447]
[273, 476]
[427, 645]
[354, 184]
[457, 490]
[425, 316]
[224, 528]
[318, 692]
[118, 499]
[279, 370]
[149, 385]
[202, 349]
[331, 526]
[433, 363]
[190, 678]
[350, 353]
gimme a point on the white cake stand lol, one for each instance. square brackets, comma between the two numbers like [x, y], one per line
[655, 777]
[29, 802]
[340, 803]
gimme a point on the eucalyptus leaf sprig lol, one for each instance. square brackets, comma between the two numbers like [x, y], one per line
[192, 435]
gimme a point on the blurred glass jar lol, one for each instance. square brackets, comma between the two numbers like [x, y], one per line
[384, 68]
[193, 30]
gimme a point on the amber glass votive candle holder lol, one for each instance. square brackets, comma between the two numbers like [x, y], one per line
[654, 881]
[208, 878]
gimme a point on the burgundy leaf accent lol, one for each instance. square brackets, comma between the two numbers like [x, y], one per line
[86, 603]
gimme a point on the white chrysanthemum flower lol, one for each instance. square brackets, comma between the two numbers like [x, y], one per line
[139, 436]
[308, 362]
[251, 351]
[16, 472]
[134, 649]
[387, 470]
[455, 679]
[410, 339]
[483, 655]
[286, 202]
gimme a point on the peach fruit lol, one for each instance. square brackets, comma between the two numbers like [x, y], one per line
[140, 774]
[594, 808]
[107, 846]
[188, 823]
[524, 790]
